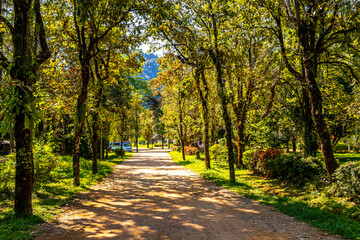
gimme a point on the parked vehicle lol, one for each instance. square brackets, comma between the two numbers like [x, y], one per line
[117, 145]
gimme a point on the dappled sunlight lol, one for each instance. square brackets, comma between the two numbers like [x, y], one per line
[150, 197]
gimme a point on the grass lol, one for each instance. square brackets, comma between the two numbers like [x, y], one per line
[347, 157]
[50, 195]
[336, 216]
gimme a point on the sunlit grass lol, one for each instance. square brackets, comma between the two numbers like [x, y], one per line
[309, 204]
[49, 196]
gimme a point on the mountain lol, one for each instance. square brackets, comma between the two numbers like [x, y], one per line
[151, 67]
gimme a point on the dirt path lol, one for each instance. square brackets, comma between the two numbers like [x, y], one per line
[150, 197]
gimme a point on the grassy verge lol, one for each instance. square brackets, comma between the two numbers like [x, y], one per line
[333, 215]
[50, 195]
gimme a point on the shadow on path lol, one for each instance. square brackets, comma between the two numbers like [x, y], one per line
[151, 197]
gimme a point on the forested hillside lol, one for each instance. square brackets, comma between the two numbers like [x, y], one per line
[150, 68]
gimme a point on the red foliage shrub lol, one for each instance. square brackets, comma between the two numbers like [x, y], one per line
[190, 150]
[260, 161]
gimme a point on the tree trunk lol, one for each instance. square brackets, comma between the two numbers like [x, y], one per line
[226, 116]
[24, 70]
[309, 133]
[80, 119]
[241, 145]
[204, 113]
[294, 144]
[316, 110]
[24, 178]
[217, 58]
[94, 144]
[206, 139]
[181, 131]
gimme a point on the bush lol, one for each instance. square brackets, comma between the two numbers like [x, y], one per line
[190, 150]
[288, 168]
[218, 152]
[120, 151]
[176, 148]
[44, 161]
[346, 181]
[247, 157]
[260, 161]
[265, 161]
[297, 170]
[7, 176]
[341, 147]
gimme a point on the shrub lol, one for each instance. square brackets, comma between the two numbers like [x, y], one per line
[218, 152]
[260, 160]
[7, 176]
[44, 162]
[341, 147]
[190, 150]
[247, 157]
[265, 161]
[254, 159]
[120, 151]
[346, 181]
[297, 170]
[176, 148]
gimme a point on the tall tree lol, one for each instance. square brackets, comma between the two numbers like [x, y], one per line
[93, 21]
[316, 27]
[28, 55]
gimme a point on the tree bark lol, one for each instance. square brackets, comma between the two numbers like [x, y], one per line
[203, 96]
[24, 70]
[309, 133]
[217, 58]
[24, 178]
[316, 110]
[181, 131]
[80, 119]
[94, 144]
[294, 144]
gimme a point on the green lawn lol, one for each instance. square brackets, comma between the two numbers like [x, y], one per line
[311, 204]
[50, 195]
[347, 157]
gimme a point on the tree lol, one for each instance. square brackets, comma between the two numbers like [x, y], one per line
[92, 26]
[316, 27]
[23, 70]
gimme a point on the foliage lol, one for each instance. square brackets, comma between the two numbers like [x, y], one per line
[7, 176]
[288, 168]
[346, 181]
[119, 151]
[218, 152]
[247, 157]
[44, 162]
[190, 150]
[341, 147]
[262, 161]
[296, 169]
[176, 148]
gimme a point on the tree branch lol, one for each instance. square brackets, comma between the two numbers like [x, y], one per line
[45, 52]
